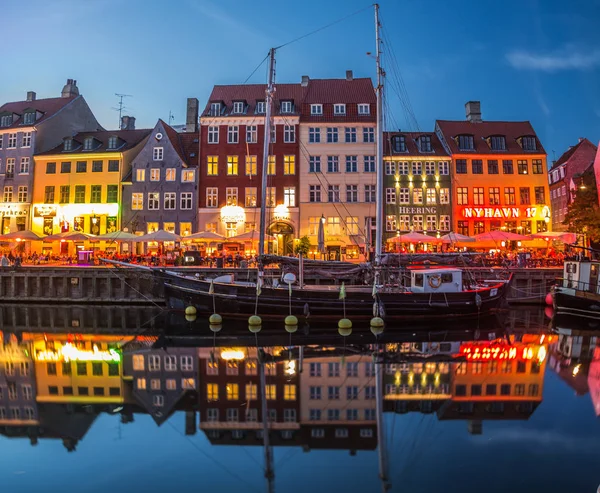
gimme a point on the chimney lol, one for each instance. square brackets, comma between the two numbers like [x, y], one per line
[191, 117]
[127, 123]
[473, 110]
[349, 75]
[70, 89]
[305, 80]
[30, 96]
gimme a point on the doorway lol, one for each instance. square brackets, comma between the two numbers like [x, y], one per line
[284, 232]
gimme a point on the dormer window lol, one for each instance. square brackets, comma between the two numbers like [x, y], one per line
[364, 109]
[286, 106]
[498, 143]
[29, 118]
[399, 143]
[215, 109]
[112, 142]
[238, 107]
[6, 121]
[529, 143]
[316, 109]
[339, 109]
[260, 107]
[425, 143]
[465, 142]
[68, 145]
[88, 144]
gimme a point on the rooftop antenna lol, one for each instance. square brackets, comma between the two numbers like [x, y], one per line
[121, 106]
[171, 117]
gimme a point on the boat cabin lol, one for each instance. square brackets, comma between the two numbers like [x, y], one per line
[582, 275]
[439, 280]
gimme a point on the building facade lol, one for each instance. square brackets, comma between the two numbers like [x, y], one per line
[499, 175]
[29, 127]
[337, 165]
[162, 189]
[77, 186]
[417, 184]
[231, 163]
[575, 161]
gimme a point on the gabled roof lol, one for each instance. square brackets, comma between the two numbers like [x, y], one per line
[483, 130]
[412, 148]
[191, 148]
[331, 91]
[47, 107]
[584, 149]
[129, 138]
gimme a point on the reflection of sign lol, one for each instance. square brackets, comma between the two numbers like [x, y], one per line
[44, 211]
[417, 210]
[68, 352]
[13, 210]
[499, 212]
[501, 351]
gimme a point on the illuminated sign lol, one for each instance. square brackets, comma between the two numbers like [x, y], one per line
[234, 354]
[417, 210]
[68, 352]
[44, 211]
[501, 351]
[14, 210]
[500, 212]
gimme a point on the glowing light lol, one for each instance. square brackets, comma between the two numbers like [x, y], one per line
[232, 214]
[500, 212]
[576, 370]
[499, 351]
[235, 354]
[68, 352]
[290, 368]
[281, 212]
[541, 355]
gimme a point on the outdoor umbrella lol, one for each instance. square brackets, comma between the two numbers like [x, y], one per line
[250, 236]
[70, 236]
[117, 236]
[321, 236]
[161, 236]
[204, 236]
[415, 237]
[20, 236]
[500, 236]
[563, 236]
[453, 237]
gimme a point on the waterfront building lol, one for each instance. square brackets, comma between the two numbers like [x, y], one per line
[499, 175]
[29, 127]
[337, 165]
[161, 190]
[572, 163]
[231, 163]
[77, 186]
[417, 187]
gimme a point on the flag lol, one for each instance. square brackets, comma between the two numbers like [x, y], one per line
[211, 290]
[374, 290]
[258, 286]
[343, 292]
[290, 288]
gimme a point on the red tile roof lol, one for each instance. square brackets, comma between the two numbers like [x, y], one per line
[412, 149]
[584, 149]
[482, 130]
[47, 107]
[191, 148]
[130, 139]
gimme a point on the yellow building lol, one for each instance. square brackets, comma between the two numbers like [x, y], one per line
[77, 186]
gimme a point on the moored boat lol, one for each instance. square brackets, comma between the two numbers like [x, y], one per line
[578, 292]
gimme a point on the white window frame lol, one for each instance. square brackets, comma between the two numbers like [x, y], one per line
[12, 141]
[238, 107]
[24, 165]
[154, 174]
[213, 134]
[364, 109]
[339, 109]
[286, 107]
[140, 175]
[289, 134]
[212, 197]
[233, 134]
[158, 153]
[316, 109]
[185, 201]
[251, 134]
[170, 201]
[188, 175]
[171, 174]
[186, 363]
[26, 139]
[154, 201]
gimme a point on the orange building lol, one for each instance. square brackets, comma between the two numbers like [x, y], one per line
[499, 175]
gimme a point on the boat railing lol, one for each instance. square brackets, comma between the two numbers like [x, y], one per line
[578, 285]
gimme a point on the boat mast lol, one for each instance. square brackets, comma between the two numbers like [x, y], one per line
[267, 140]
[381, 444]
[379, 217]
[269, 471]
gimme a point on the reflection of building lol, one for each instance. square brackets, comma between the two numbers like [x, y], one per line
[499, 175]
[570, 357]
[574, 161]
[594, 381]
[417, 184]
[231, 163]
[230, 397]
[77, 186]
[162, 191]
[337, 403]
[29, 127]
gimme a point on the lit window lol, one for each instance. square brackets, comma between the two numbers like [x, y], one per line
[233, 391]
[289, 165]
[232, 165]
[170, 174]
[137, 201]
[212, 392]
[289, 392]
[155, 174]
[188, 175]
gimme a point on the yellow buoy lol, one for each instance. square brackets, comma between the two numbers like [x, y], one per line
[345, 327]
[215, 319]
[190, 310]
[254, 324]
[291, 324]
[190, 318]
[215, 327]
[377, 325]
[255, 329]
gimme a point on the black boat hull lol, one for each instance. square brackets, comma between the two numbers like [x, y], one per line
[577, 303]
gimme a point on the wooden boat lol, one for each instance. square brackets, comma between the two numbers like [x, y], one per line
[578, 292]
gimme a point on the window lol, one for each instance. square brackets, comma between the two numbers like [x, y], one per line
[213, 135]
[430, 196]
[140, 175]
[332, 135]
[8, 194]
[542, 226]
[250, 194]
[390, 223]
[289, 392]
[158, 400]
[314, 135]
[461, 166]
[351, 164]
[24, 166]
[478, 196]
[403, 168]
[534, 389]
[251, 391]
[112, 142]
[154, 201]
[271, 196]
[339, 109]
[494, 195]
[462, 195]
[524, 196]
[23, 194]
[232, 134]
[390, 168]
[477, 166]
[369, 164]
[271, 165]
[498, 143]
[390, 195]
[463, 228]
[286, 107]
[315, 393]
[170, 200]
[95, 194]
[364, 109]
[465, 142]
[289, 134]
[113, 165]
[260, 106]
[170, 174]
[370, 194]
[233, 391]
[333, 164]
[430, 168]
[540, 197]
[352, 225]
[49, 195]
[314, 164]
[250, 165]
[238, 107]
[155, 174]
[399, 143]
[478, 227]
[231, 196]
[509, 196]
[425, 143]
[157, 154]
[431, 223]
[536, 166]
[350, 133]
[316, 109]
[528, 143]
[417, 169]
[289, 196]
[403, 196]
[333, 415]
[445, 223]
[26, 139]
[333, 193]
[333, 225]
[65, 167]
[418, 223]
[522, 167]
[444, 195]
[289, 165]
[232, 165]
[314, 193]
[507, 167]
[12, 141]
[368, 134]
[137, 201]
[417, 195]
[271, 391]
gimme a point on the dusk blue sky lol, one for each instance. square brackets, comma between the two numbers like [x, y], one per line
[536, 60]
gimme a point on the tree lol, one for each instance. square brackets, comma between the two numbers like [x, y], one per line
[303, 246]
[583, 214]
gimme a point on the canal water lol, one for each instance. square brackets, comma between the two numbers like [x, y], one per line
[122, 399]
